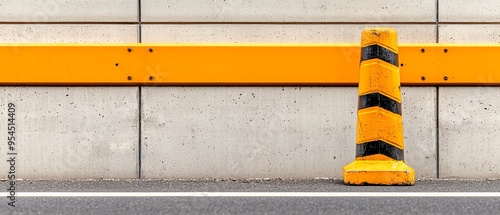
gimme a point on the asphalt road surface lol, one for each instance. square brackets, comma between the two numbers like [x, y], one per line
[321, 196]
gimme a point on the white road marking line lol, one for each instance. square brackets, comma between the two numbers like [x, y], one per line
[254, 194]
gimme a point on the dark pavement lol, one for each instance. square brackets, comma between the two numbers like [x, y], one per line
[250, 205]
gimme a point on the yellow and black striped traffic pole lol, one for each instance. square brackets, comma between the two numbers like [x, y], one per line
[379, 132]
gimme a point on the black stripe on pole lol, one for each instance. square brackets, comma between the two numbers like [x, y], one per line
[376, 51]
[379, 147]
[379, 100]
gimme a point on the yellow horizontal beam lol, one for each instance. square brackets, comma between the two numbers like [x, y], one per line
[257, 64]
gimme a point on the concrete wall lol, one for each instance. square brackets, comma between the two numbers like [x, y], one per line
[291, 132]
[468, 116]
[71, 132]
[241, 132]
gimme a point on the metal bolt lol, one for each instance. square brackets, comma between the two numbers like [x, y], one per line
[423, 78]
[129, 50]
[151, 78]
[422, 50]
[129, 78]
[445, 78]
[445, 50]
[150, 50]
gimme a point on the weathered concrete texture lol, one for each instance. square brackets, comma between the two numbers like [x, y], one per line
[288, 11]
[484, 33]
[36, 11]
[248, 132]
[68, 33]
[419, 124]
[469, 122]
[72, 132]
[277, 33]
[469, 11]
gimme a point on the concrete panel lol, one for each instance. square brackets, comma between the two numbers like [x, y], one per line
[36, 11]
[45, 33]
[469, 131]
[248, 132]
[469, 11]
[420, 130]
[489, 33]
[277, 33]
[288, 11]
[72, 132]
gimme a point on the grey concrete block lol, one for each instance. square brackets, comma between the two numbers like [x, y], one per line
[249, 132]
[277, 33]
[478, 33]
[469, 11]
[288, 11]
[420, 130]
[43, 11]
[68, 33]
[469, 130]
[72, 132]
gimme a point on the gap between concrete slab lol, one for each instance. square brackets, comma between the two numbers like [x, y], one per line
[139, 37]
[437, 96]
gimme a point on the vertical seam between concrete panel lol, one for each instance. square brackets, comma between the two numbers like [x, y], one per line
[139, 89]
[437, 96]
[139, 29]
[140, 130]
[437, 132]
[437, 21]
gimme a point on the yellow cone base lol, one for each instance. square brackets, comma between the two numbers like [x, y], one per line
[369, 172]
